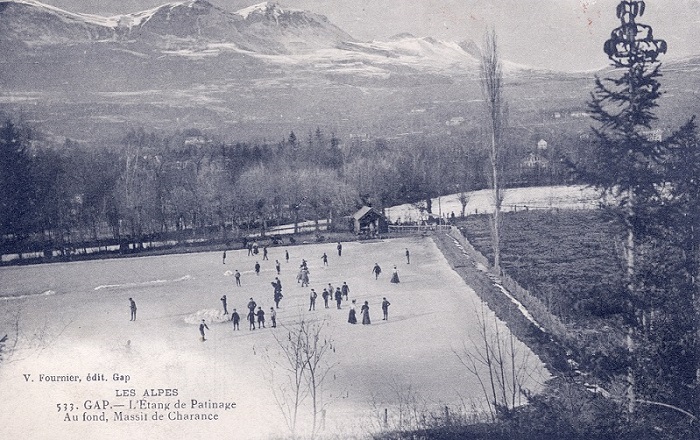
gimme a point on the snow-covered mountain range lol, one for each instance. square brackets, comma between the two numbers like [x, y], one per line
[196, 28]
[259, 71]
[263, 28]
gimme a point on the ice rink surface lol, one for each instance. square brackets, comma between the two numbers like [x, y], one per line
[73, 319]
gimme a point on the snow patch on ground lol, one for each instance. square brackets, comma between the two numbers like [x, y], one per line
[515, 199]
[16, 297]
[144, 283]
[208, 315]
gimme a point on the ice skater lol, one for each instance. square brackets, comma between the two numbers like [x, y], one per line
[385, 309]
[338, 298]
[236, 319]
[324, 257]
[352, 314]
[277, 296]
[365, 313]
[325, 296]
[257, 268]
[340, 249]
[237, 276]
[278, 266]
[395, 276]
[203, 325]
[252, 305]
[345, 289]
[132, 306]
[265, 253]
[312, 300]
[286, 255]
[376, 270]
[273, 317]
[251, 320]
[305, 277]
[223, 301]
[223, 258]
[408, 257]
[261, 317]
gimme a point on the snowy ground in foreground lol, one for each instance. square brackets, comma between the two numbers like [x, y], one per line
[540, 197]
[81, 313]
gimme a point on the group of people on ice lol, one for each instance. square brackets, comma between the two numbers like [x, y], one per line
[256, 316]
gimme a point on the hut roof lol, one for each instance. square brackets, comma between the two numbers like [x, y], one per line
[364, 211]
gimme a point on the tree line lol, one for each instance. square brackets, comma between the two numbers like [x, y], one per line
[153, 184]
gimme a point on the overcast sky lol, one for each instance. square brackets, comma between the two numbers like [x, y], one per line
[557, 34]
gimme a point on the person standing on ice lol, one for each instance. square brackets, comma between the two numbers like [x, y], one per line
[305, 277]
[224, 258]
[278, 266]
[132, 306]
[340, 249]
[338, 298]
[324, 257]
[408, 257]
[273, 317]
[257, 268]
[236, 319]
[261, 317]
[325, 296]
[365, 313]
[203, 326]
[252, 305]
[251, 320]
[376, 270]
[250, 249]
[352, 314]
[395, 276]
[265, 253]
[223, 301]
[312, 300]
[345, 289]
[237, 275]
[286, 255]
[385, 309]
[277, 296]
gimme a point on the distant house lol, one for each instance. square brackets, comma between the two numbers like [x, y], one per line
[369, 221]
[535, 161]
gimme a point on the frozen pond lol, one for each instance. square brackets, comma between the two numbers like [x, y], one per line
[73, 320]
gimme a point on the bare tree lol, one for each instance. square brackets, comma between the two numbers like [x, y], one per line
[315, 348]
[304, 365]
[491, 77]
[18, 340]
[288, 390]
[463, 200]
[497, 365]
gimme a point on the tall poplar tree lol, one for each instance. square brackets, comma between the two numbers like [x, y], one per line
[491, 76]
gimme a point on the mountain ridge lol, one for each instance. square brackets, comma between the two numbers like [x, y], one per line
[260, 72]
[265, 27]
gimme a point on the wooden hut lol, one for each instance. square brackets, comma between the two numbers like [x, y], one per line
[368, 221]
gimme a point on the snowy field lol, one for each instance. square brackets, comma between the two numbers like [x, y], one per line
[543, 197]
[73, 319]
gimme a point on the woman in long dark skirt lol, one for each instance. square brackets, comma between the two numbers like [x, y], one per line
[365, 313]
[352, 318]
[395, 276]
